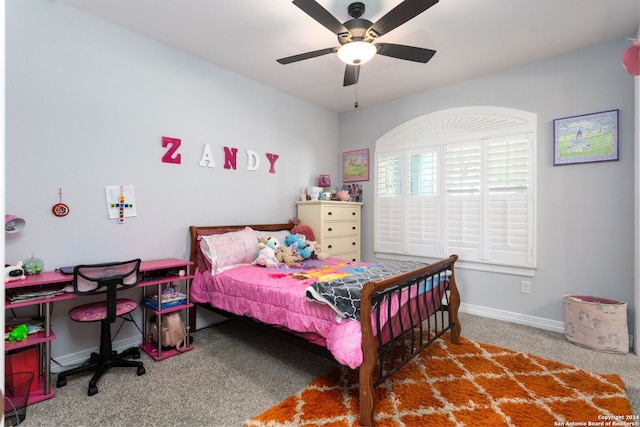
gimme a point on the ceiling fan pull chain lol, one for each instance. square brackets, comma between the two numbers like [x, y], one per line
[355, 104]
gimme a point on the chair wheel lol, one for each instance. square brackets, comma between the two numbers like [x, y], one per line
[93, 389]
[61, 382]
[141, 371]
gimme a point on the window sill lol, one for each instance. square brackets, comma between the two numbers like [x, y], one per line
[467, 265]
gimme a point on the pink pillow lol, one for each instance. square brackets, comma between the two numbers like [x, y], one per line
[306, 230]
[230, 249]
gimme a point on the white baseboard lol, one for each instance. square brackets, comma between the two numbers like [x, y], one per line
[205, 318]
[69, 361]
[518, 318]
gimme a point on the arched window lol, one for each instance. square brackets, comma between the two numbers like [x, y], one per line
[459, 181]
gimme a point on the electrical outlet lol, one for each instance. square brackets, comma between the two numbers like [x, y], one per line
[525, 287]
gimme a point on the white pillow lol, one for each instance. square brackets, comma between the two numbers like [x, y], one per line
[230, 249]
[278, 234]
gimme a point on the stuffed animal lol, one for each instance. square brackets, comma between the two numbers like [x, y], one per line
[294, 241]
[14, 272]
[316, 252]
[19, 333]
[308, 249]
[286, 256]
[267, 255]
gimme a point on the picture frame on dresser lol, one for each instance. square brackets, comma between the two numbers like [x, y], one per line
[355, 165]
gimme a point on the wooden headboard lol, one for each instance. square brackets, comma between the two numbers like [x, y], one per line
[197, 231]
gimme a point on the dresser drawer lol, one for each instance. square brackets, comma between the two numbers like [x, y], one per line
[340, 213]
[345, 228]
[347, 256]
[336, 245]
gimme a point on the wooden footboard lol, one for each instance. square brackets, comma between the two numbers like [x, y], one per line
[423, 294]
[426, 298]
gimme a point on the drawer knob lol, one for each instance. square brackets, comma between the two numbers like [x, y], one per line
[329, 213]
[353, 243]
[329, 229]
[330, 246]
[354, 213]
[353, 228]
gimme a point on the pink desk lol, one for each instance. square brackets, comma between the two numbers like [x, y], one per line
[154, 272]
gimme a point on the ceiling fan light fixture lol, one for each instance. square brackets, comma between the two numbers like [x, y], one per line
[356, 53]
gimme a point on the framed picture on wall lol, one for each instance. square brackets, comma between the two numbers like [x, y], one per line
[586, 138]
[355, 165]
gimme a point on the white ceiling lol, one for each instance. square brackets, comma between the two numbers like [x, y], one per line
[471, 37]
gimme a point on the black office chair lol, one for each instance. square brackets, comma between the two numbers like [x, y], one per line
[106, 278]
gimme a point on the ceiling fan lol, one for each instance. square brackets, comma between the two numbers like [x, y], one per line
[356, 35]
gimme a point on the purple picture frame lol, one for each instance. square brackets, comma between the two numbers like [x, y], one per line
[586, 138]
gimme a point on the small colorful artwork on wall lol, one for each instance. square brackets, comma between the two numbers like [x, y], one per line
[120, 202]
[355, 165]
[586, 138]
[60, 209]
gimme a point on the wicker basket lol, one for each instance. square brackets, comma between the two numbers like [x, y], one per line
[17, 387]
[597, 323]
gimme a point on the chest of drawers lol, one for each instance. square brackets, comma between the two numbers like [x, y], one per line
[336, 226]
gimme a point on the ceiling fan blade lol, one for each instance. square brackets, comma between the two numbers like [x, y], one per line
[307, 55]
[351, 74]
[403, 12]
[320, 14]
[410, 53]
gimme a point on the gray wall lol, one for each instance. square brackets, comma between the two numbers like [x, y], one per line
[585, 212]
[87, 104]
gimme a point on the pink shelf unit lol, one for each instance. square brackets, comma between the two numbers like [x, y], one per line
[152, 351]
[37, 338]
[154, 272]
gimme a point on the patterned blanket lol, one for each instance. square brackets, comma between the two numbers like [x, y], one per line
[343, 294]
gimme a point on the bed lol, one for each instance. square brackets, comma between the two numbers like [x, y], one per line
[366, 316]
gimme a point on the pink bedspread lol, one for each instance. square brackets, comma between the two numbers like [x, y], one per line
[277, 297]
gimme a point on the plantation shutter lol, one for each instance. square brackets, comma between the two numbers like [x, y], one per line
[463, 214]
[459, 181]
[390, 220]
[509, 177]
[424, 203]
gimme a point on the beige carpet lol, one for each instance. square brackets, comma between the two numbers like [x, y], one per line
[472, 384]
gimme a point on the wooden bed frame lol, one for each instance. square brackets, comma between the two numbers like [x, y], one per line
[377, 365]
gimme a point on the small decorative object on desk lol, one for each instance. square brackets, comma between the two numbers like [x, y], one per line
[14, 272]
[33, 265]
[19, 333]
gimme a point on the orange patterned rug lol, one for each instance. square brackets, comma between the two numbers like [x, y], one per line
[472, 384]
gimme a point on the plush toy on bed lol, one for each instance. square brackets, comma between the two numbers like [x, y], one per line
[307, 249]
[286, 255]
[294, 241]
[267, 255]
[316, 252]
[297, 243]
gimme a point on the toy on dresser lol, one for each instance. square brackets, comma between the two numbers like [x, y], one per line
[14, 272]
